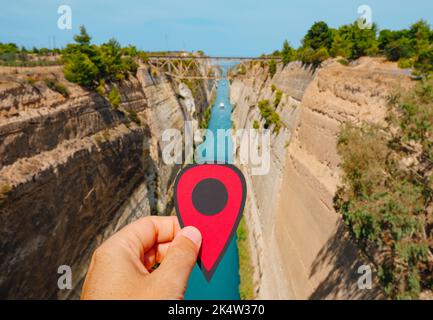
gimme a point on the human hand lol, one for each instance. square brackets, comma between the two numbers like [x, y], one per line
[122, 267]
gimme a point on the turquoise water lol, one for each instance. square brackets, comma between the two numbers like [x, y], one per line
[225, 282]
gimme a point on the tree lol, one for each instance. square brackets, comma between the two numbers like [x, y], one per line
[319, 56]
[111, 60]
[276, 53]
[363, 41]
[130, 51]
[411, 47]
[424, 62]
[8, 48]
[88, 64]
[287, 53]
[341, 46]
[386, 37]
[319, 36]
[399, 49]
[419, 30]
[314, 57]
[83, 38]
[80, 69]
[420, 34]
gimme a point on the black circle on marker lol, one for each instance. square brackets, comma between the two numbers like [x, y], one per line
[210, 197]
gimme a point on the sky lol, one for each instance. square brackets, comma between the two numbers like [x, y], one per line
[218, 27]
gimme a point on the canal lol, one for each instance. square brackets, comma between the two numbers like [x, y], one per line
[225, 282]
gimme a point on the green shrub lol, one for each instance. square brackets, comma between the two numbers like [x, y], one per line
[4, 192]
[101, 88]
[314, 57]
[143, 56]
[273, 88]
[133, 116]
[318, 36]
[241, 70]
[206, 118]
[272, 65]
[320, 55]
[341, 45]
[31, 81]
[383, 202]
[278, 97]
[128, 64]
[270, 116]
[114, 98]
[130, 51]
[12, 55]
[58, 87]
[424, 62]
[287, 53]
[81, 70]
[246, 270]
[405, 63]
[256, 125]
[343, 62]
[5, 189]
[399, 49]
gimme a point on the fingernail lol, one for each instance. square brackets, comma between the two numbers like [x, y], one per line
[192, 234]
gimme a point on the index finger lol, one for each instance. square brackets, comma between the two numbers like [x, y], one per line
[141, 235]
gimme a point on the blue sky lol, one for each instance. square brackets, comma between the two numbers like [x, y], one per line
[223, 27]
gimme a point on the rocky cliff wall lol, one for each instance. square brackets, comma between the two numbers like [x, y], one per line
[300, 246]
[73, 169]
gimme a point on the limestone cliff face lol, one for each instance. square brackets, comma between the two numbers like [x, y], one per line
[299, 243]
[73, 169]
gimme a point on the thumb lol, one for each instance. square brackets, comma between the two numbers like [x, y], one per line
[181, 258]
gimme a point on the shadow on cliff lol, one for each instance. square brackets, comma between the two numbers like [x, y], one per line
[340, 256]
[312, 68]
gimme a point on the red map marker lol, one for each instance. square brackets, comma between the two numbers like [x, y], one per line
[212, 199]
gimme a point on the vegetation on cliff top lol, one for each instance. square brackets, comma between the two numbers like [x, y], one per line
[411, 48]
[87, 64]
[84, 63]
[387, 196]
[12, 55]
